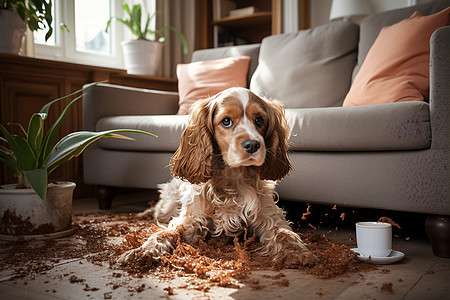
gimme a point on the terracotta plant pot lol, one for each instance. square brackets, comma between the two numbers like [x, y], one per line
[23, 215]
[142, 57]
[12, 32]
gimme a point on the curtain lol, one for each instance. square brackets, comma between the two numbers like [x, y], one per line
[181, 15]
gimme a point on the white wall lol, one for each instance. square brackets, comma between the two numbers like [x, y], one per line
[320, 9]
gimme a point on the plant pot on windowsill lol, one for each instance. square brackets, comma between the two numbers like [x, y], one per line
[32, 158]
[16, 16]
[142, 57]
[12, 32]
[51, 218]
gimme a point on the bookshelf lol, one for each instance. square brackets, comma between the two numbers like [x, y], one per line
[217, 28]
[257, 18]
[234, 22]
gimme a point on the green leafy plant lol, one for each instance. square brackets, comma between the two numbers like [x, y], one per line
[134, 23]
[37, 14]
[33, 157]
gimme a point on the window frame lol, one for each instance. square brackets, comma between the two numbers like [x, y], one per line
[65, 46]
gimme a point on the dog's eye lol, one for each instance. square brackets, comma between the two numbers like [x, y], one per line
[259, 122]
[227, 123]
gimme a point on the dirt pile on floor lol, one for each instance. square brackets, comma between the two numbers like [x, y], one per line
[221, 261]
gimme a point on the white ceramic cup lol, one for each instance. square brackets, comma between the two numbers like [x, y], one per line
[374, 239]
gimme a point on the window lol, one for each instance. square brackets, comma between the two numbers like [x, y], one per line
[86, 41]
[39, 35]
[90, 22]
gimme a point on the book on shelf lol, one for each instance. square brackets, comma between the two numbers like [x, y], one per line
[222, 8]
[243, 11]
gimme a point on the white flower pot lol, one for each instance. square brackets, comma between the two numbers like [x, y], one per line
[12, 32]
[142, 57]
[51, 218]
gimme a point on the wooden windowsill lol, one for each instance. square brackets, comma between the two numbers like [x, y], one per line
[17, 64]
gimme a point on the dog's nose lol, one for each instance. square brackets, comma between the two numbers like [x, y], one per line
[251, 146]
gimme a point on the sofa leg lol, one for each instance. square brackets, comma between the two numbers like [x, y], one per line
[105, 194]
[438, 230]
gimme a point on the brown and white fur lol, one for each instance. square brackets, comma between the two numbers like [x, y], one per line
[231, 153]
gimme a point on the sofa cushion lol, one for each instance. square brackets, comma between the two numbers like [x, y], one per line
[380, 127]
[251, 51]
[397, 65]
[168, 128]
[371, 25]
[203, 79]
[393, 126]
[308, 68]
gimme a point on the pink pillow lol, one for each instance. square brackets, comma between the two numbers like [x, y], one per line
[202, 79]
[396, 67]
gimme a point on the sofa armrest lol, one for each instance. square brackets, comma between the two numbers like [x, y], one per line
[440, 88]
[104, 100]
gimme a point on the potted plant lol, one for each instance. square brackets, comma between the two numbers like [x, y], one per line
[143, 55]
[32, 206]
[16, 15]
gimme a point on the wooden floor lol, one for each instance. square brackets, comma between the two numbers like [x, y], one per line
[420, 275]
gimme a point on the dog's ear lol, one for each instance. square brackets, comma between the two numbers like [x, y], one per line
[277, 164]
[193, 159]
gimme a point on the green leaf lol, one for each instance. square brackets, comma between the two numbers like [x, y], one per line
[33, 23]
[36, 132]
[145, 29]
[20, 126]
[108, 24]
[48, 18]
[74, 144]
[21, 11]
[9, 138]
[63, 27]
[149, 18]
[50, 137]
[9, 160]
[46, 107]
[128, 24]
[135, 19]
[179, 34]
[49, 33]
[53, 131]
[136, 14]
[126, 8]
[23, 153]
[37, 178]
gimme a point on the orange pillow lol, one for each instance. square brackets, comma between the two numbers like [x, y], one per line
[396, 67]
[202, 79]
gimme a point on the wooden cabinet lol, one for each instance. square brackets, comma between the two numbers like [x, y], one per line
[26, 84]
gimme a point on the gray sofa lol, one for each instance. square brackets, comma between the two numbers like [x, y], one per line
[387, 156]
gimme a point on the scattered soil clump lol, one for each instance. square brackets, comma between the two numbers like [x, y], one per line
[389, 221]
[13, 224]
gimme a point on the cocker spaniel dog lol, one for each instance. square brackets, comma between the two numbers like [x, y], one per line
[231, 154]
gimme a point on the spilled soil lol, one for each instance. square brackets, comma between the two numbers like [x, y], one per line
[221, 261]
[13, 224]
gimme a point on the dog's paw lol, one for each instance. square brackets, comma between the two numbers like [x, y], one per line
[159, 243]
[146, 215]
[141, 256]
[293, 259]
